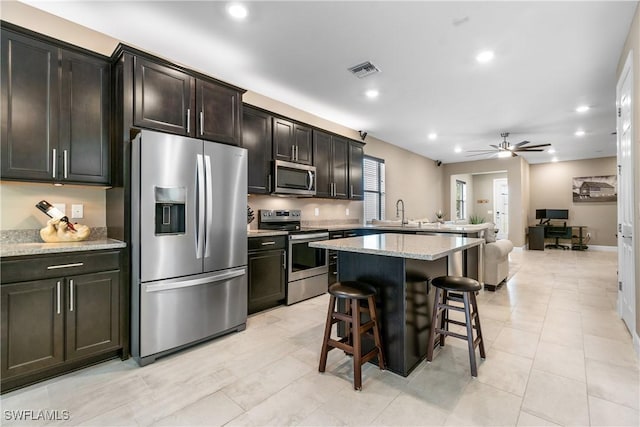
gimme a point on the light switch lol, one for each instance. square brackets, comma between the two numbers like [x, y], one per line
[346, 212]
[77, 211]
[316, 211]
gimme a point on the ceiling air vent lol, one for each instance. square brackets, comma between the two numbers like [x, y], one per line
[363, 70]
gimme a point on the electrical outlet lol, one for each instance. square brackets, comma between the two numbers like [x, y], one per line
[316, 211]
[61, 207]
[346, 212]
[77, 211]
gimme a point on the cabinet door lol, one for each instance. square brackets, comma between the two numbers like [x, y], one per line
[32, 326]
[283, 141]
[256, 138]
[85, 119]
[304, 144]
[356, 154]
[163, 98]
[322, 154]
[92, 313]
[218, 109]
[340, 161]
[30, 108]
[266, 279]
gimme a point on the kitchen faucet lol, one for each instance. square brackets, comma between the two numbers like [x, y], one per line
[400, 201]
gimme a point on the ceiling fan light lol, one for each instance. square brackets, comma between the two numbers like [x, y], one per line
[503, 154]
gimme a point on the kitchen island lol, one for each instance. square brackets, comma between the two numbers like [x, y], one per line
[400, 267]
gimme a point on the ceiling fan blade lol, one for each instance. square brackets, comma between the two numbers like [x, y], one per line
[513, 154]
[480, 154]
[520, 144]
[533, 146]
[481, 151]
[526, 150]
[495, 146]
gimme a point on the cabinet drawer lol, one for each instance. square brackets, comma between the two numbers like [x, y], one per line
[267, 243]
[44, 267]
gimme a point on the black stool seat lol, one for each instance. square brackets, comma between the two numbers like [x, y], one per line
[458, 294]
[355, 294]
[456, 284]
[350, 290]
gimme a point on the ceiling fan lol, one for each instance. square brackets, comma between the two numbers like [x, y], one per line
[505, 149]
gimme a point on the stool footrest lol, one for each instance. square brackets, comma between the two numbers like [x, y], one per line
[452, 334]
[449, 307]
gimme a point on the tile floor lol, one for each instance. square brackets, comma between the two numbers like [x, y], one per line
[557, 354]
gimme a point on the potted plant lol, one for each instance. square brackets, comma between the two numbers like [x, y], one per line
[440, 216]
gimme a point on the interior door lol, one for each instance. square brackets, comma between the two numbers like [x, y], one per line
[626, 258]
[501, 207]
[169, 215]
[226, 206]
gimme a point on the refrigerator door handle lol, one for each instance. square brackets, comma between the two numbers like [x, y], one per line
[171, 284]
[209, 226]
[200, 182]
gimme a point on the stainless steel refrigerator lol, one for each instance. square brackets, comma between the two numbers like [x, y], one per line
[189, 242]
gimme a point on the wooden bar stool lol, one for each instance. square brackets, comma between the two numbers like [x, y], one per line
[461, 290]
[353, 293]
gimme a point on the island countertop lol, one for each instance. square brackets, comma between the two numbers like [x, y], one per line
[423, 247]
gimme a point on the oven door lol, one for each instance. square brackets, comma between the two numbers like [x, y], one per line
[305, 261]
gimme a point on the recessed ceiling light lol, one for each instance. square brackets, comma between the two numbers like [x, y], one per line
[458, 150]
[432, 136]
[372, 93]
[237, 11]
[555, 159]
[485, 56]
[580, 133]
[582, 109]
[551, 151]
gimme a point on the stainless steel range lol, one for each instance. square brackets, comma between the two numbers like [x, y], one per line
[307, 268]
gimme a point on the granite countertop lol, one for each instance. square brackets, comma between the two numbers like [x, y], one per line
[266, 233]
[401, 245]
[40, 248]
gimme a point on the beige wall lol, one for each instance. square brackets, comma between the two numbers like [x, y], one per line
[483, 190]
[516, 174]
[18, 211]
[551, 187]
[633, 45]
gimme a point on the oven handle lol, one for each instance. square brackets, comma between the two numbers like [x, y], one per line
[310, 237]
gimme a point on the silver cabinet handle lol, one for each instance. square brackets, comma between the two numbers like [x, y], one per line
[201, 122]
[267, 243]
[310, 180]
[351, 191]
[53, 165]
[71, 295]
[58, 297]
[284, 260]
[55, 267]
[188, 120]
[293, 152]
[65, 164]
[269, 182]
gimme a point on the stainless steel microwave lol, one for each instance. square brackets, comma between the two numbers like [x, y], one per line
[294, 178]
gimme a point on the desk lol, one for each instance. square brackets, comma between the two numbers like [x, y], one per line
[391, 263]
[537, 234]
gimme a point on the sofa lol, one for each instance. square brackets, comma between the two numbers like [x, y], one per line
[496, 263]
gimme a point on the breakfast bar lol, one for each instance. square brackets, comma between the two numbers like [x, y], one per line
[400, 267]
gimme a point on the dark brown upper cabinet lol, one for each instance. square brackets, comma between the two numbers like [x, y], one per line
[219, 112]
[292, 141]
[331, 154]
[356, 156]
[257, 139]
[56, 106]
[163, 98]
[172, 100]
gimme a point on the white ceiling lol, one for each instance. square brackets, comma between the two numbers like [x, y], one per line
[550, 57]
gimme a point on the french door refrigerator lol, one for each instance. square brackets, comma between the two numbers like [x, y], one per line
[189, 242]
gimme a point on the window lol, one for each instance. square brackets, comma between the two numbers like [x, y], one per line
[373, 170]
[461, 199]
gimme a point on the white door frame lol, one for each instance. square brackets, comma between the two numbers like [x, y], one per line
[626, 200]
[499, 213]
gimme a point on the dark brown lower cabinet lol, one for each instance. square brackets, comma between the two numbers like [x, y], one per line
[267, 272]
[60, 321]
